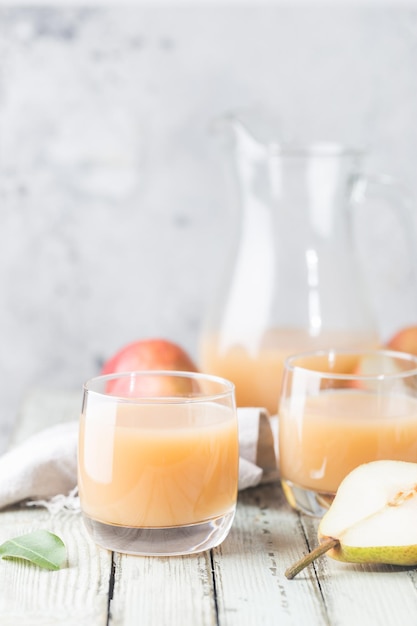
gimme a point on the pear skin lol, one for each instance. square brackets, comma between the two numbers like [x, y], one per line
[389, 555]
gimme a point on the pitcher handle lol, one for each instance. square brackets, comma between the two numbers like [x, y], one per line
[398, 282]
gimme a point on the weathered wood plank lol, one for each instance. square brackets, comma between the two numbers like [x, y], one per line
[77, 594]
[249, 567]
[74, 595]
[363, 594]
[163, 590]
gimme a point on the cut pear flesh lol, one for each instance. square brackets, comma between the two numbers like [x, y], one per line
[374, 514]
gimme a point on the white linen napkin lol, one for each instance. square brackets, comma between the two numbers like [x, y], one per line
[43, 468]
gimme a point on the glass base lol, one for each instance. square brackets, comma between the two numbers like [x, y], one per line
[170, 541]
[306, 500]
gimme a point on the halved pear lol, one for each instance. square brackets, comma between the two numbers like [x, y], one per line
[373, 518]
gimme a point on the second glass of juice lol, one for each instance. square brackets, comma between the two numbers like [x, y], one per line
[338, 410]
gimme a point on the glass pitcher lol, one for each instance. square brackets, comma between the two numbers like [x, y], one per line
[295, 283]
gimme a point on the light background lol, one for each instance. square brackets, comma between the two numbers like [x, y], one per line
[114, 217]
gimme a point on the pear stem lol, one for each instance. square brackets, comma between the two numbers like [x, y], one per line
[321, 549]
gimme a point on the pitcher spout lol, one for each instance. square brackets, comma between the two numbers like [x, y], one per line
[236, 133]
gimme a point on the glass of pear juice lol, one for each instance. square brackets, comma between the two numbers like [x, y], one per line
[158, 461]
[338, 410]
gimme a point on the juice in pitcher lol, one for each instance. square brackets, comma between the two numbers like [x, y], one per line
[257, 375]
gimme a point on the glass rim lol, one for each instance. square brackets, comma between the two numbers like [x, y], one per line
[290, 364]
[228, 386]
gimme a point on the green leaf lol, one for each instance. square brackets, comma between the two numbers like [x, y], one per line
[40, 547]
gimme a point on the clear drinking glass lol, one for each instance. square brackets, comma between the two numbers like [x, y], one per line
[340, 409]
[158, 461]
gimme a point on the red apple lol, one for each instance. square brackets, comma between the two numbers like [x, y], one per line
[150, 354]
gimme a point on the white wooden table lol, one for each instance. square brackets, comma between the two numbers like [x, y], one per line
[240, 583]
